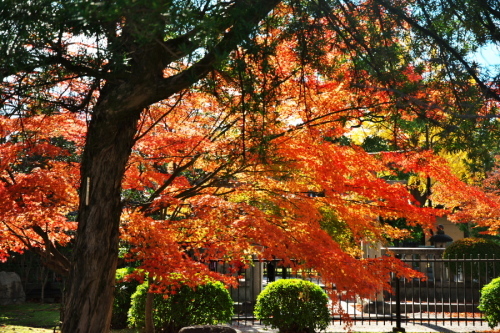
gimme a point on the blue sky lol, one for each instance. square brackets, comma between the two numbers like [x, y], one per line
[489, 55]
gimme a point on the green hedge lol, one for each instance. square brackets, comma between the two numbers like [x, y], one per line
[293, 306]
[206, 304]
[490, 302]
[474, 248]
[123, 294]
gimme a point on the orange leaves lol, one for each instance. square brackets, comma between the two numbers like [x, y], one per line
[43, 198]
[165, 254]
[225, 195]
[38, 182]
[66, 125]
[349, 178]
[478, 206]
[464, 203]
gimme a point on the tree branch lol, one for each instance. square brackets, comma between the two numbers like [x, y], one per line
[53, 259]
[444, 44]
[252, 12]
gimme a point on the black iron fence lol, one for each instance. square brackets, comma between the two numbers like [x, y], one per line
[449, 293]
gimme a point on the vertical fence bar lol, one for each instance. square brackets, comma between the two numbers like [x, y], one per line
[398, 327]
[434, 295]
[465, 279]
[362, 312]
[331, 286]
[494, 267]
[404, 297]
[444, 287]
[481, 262]
[443, 293]
[380, 295]
[412, 282]
[427, 286]
[486, 270]
[391, 302]
[434, 286]
[457, 281]
[447, 275]
[340, 303]
[421, 310]
[472, 280]
[257, 267]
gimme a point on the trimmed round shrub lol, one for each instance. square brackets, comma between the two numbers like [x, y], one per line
[474, 248]
[207, 304]
[293, 306]
[123, 294]
[489, 302]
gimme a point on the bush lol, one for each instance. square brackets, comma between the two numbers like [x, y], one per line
[489, 302]
[293, 306]
[123, 294]
[472, 247]
[206, 304]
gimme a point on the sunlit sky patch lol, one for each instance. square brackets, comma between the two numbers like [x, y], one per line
[489, 55]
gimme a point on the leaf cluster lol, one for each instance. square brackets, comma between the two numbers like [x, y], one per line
[293, 306]
[473, 248]
[489, 302]
[206, 304]
[124, 289]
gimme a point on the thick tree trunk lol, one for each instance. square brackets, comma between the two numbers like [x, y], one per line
[89, 297]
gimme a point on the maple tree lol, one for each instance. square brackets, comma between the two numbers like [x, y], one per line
[39, 185]
[478, 214]
[199, 131]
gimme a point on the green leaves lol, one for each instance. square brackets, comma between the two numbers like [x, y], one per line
[293, 306]
[489, 302]
[206, 304]
[474, 248]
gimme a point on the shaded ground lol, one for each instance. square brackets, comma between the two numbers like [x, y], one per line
[34, 318]
[23, 329]
[34, 315]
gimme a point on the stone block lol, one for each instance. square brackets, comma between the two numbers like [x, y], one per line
[207, 329]
[11, 289]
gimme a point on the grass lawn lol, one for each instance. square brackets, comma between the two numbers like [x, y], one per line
[23, 329]
[33, 318]
[31, 315]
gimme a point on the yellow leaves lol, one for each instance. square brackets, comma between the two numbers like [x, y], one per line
[457, 162]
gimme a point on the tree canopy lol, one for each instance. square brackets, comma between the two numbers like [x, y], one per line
[192, 131]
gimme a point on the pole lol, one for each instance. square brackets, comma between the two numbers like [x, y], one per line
[398, 327]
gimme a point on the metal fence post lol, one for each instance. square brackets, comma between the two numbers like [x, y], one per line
[398, 327]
